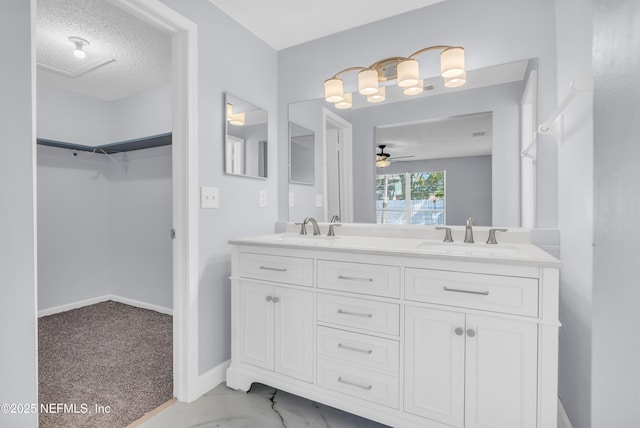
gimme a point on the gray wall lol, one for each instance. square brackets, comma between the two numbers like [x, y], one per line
[616, 294]
[246, 68]
[102, 230]
[75, 118]
[575, 184]
[468, 186]
[492, 32]
[18, 365]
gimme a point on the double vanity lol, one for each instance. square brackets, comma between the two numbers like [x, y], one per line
[397, 326]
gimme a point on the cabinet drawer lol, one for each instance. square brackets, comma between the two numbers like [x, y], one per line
[359, 313]
[291, 270]
[366, 384]
[495, 293]
[359, 349]
[378, 280]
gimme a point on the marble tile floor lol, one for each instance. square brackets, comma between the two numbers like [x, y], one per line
[261, 407]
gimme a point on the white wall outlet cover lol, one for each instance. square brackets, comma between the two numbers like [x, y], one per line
[209, 197]
[262, 199]
[318, 201]
[290, 199]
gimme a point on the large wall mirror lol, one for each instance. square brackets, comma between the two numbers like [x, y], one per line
[245, 147]
[464, 144]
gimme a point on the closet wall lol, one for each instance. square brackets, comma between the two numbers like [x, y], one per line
[103, 231]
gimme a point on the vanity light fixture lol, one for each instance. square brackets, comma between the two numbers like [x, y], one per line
[236, 119]
[79, 43]
[406, 70]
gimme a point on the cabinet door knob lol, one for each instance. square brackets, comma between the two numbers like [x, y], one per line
[471, 332]
[275, 299]
[268, 298]
[459, 331]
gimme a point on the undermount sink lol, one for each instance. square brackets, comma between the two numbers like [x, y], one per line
[465, 248]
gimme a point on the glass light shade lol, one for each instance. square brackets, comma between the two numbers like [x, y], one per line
[333, 90]
[368, 82]
[452, 62]
[347, 102]
[78, 52]
[454, 82]
[416, 89]
[383, 163]
[408, 73]
[237, 119]
[379, 96]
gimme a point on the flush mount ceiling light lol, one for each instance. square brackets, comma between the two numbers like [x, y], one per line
[405, 70]
[80, 43]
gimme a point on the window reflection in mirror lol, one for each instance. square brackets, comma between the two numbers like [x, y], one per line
[460, 145]
[301, 154]
[245, 150]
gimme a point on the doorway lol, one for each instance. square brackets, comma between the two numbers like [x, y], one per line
[338, 170]
[184, 188]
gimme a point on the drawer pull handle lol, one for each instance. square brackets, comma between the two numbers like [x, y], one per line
[350, 348]
[355, 314]
[346, 382]
[458, 290]
[272, 268]
[355, 278]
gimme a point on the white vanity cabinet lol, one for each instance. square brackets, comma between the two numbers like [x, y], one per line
[408, 340]
[470, 370]
[275, 326]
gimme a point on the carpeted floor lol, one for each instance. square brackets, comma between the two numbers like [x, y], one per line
[103, 365]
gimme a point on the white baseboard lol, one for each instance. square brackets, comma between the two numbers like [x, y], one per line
[563, 419]
[212, 378]
[94, 300]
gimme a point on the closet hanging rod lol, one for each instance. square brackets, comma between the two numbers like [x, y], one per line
[114, 160]
[580, 84]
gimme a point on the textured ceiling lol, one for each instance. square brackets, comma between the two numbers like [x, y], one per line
[285, 23]
[125, 55]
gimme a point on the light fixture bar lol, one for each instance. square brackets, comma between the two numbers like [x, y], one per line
[406, 70]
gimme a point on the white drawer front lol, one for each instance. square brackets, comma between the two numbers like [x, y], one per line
[495, 293]
[360, 349]
[361, 383]
[359, 313]
[291, 270]
[378, 280]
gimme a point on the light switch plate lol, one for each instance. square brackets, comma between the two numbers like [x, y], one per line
[209, 197]
[290, 199]
[262, 199]
[318, 201]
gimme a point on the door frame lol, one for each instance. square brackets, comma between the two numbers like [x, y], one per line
[184, 190]
[345, 136]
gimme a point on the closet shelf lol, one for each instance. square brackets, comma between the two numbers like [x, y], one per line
[119, 147]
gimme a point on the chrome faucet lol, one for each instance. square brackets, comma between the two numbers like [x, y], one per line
[468, 231]
[314, 223]
[335, 219]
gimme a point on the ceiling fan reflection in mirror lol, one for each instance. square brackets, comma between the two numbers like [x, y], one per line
[384, 159]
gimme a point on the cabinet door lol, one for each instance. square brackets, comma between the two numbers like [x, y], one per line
[294, 333]
[256, 324]
[501, 373]
[434, 365]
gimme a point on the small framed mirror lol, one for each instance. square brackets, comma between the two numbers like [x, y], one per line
[245, 146]
[301, 155]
